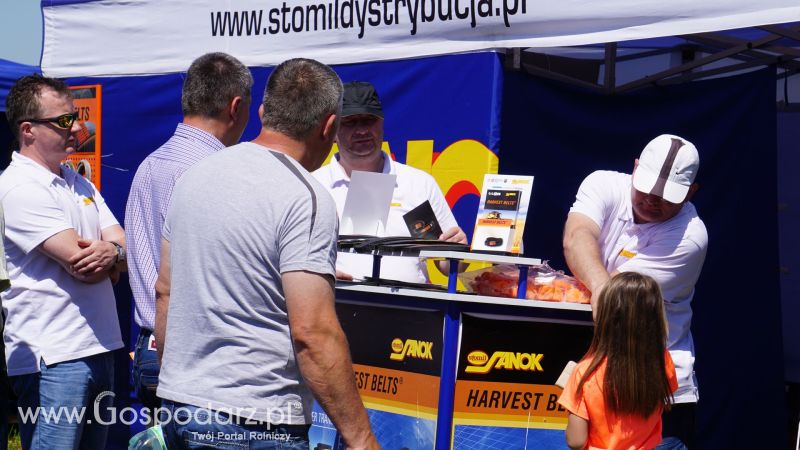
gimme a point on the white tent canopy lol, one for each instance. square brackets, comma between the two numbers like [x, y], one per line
[156, 36]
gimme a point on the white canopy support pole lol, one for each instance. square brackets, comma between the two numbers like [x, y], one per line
[719, 70]
[770, 54]
[652, 79]
[785, 32]
[533, 70]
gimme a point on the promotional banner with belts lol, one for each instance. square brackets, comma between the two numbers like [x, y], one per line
[397, 357]
[505, 385]
[88, 101]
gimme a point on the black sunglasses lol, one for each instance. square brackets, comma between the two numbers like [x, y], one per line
[64, 121]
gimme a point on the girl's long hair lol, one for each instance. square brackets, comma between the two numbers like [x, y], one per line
[631, 335]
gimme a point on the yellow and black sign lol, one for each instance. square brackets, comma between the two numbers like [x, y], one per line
[479, 361]
[397, 357]
[502, 200]
[507, 369]
[402, 339]
[410, 348]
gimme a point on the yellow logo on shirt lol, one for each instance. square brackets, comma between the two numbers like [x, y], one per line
[88, 201]
[626, 253]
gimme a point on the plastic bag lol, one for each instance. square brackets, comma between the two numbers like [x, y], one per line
[149, 439]
[544, 283]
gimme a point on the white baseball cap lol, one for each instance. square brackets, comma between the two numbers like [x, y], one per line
[667, 167]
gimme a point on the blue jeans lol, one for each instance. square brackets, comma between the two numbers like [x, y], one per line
[66, 397]
[189, 427]
[145, 371]
[671, 443]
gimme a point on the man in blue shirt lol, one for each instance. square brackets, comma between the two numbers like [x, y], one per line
[216, 107]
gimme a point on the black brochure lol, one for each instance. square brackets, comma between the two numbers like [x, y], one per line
[421, 222]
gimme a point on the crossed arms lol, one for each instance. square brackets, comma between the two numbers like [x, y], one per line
[87, 260]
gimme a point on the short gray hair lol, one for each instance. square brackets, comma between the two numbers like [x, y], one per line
[299, 94]
[212, 81]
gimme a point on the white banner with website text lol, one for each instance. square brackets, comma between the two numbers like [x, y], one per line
[130, 37]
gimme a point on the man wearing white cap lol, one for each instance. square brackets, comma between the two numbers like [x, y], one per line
[645, 223]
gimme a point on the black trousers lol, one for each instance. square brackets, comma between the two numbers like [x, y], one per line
[680, 422]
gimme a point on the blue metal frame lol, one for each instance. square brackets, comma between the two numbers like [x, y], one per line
[452, 324]
[447, 383]
[522, 287]
[376, 267]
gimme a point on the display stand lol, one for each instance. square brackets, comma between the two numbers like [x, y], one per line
[449, 370]
[456, 257]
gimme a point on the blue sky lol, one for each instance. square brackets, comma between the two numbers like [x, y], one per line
[21, 31]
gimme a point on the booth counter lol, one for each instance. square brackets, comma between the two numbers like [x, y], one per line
[439, 370]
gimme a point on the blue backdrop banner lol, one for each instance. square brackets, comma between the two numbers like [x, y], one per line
[560, 134]
[441, 115]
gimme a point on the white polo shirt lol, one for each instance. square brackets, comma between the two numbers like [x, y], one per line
[50, 315]
[412, 188]
[4, 281]
[671, 252]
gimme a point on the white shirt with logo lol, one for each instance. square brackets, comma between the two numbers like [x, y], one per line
[50, 315]
[412, 188]
[671, 252]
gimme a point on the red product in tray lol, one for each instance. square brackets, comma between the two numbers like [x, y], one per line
[495, 284]
[544, 283]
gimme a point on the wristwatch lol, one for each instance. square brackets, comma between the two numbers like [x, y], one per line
[120, 252]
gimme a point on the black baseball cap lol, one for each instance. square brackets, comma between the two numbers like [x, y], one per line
[360, 97]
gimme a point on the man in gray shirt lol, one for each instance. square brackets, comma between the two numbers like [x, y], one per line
[245, 317]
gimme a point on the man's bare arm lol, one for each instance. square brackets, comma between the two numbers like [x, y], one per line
[163, 284]
[100, 255]
[324, 357]
[582, 252]
[455, 234]
[62, 247]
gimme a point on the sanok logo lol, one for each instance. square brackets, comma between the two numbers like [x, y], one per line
[481, 363]
[411, 348]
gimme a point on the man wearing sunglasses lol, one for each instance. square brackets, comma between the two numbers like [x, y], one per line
[63, 245]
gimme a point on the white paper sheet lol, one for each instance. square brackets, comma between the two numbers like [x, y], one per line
[366, 208]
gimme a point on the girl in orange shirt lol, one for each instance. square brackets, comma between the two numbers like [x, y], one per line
[617, 392]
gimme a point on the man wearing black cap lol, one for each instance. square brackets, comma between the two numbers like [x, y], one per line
[360, 138]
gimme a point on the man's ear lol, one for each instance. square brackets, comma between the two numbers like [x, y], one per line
[233, 108]
[25, 132]
[329, 127]
[261, 113]
[635, 164]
